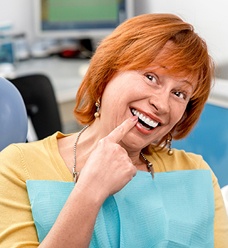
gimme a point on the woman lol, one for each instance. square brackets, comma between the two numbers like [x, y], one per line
[118, 182]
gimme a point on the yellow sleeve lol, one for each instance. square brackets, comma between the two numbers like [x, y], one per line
[221, 218]
[17, 228]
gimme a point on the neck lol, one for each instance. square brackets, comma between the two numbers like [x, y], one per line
[88, 140]
[135, 158]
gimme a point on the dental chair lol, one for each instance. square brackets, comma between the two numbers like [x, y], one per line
[13, 116]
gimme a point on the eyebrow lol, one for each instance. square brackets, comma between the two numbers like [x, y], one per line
[188, 82]
[152, 67]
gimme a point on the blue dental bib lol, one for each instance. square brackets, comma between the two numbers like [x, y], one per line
[175, 209]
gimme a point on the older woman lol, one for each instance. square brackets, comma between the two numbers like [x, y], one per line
[118, 182]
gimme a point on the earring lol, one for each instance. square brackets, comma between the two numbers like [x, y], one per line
[169, 143]
[97, 104]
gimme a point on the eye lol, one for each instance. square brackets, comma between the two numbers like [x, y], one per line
[151, 77]
[180, 94]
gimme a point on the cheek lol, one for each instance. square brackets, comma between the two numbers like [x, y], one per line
[177, 114]
[117, 95]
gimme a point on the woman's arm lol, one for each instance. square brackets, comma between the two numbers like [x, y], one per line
[75, 224]
[106, 171]
[221, 218]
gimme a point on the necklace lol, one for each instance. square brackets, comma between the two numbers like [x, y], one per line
[149, 165]
[76, 173]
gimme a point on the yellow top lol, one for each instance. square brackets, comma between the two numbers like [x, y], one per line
[41, 161]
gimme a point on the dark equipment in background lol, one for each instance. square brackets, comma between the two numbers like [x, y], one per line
[40, 102]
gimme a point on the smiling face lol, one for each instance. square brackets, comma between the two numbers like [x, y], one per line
[158, 99]
[161, 39]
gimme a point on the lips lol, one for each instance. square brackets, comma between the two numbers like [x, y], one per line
[146, 121]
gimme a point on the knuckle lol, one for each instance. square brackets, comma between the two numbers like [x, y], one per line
[101, 141]
[104, 142]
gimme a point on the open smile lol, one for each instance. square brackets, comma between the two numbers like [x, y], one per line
[146, 121]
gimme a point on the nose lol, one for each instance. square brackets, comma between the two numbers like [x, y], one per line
[160, 102]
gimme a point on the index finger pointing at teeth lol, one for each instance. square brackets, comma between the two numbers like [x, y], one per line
[119, 132]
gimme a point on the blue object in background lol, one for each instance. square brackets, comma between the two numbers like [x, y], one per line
[6, 53]
[13, 115]
[6, 44]
[210, 139]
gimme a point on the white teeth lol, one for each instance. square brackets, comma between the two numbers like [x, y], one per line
[145, 119]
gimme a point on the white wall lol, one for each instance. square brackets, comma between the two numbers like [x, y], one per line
[19, 12]
[210, 18]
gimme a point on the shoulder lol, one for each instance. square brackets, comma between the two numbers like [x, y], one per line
[27, 153]
[179, 160]
[188, 160]
[33, 160]
[20, 149]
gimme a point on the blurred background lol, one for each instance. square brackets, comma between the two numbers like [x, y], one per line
[209, 17]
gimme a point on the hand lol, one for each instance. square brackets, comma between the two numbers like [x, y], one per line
[109, 168]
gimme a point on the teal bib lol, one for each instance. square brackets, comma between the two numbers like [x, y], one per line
[174, 210]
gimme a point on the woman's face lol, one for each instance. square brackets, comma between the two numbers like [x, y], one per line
[158, 99]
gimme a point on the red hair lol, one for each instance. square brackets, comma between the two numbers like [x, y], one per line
[134, 45]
